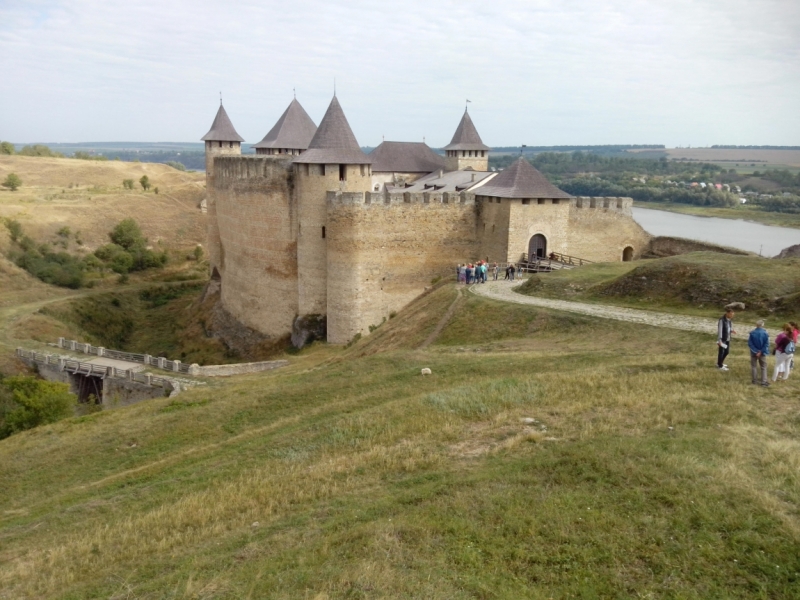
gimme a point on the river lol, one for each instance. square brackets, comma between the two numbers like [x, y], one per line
[767, 240]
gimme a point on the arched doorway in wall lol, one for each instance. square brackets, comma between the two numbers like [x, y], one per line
[627, 254]
[537, 246]
[215, 274]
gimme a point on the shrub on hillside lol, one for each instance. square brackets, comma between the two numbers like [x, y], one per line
[127, 184]
[81, 155]
[176, 165]
[145, 182]
[57, 268]
[39, 150]
[27, 402]
[7, 148]
[14, 229]
[12, 182]
[128, 250]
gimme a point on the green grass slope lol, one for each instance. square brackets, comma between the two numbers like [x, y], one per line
[644, 473]
[696, 283]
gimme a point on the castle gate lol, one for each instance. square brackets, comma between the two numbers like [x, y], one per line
[537, 246]
[627, 254]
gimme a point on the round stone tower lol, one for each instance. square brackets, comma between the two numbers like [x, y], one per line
[333, 162]
[221, 140]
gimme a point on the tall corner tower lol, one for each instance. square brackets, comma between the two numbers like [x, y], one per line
[221, 140]
[333, 162]
[466, 149]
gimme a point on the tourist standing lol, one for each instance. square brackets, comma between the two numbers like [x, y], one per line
[795, 334]
[784, 352]
[513, 270]
[758, 342]
[495, 269]
[724, 331]
[483, 272]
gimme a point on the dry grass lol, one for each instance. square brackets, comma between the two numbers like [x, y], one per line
[87, 196]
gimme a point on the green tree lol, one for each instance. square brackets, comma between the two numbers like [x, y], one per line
[39, 150]
[145, 182]
[127, 184]
[7, 148]
[27, 402]
[12, 182]
[198, 253]
[127, 234]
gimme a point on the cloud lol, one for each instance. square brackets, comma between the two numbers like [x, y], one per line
[683, 72]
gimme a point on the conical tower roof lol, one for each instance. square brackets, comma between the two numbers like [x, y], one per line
[222, 129]
[520, 180]
[334, 141]
[466, 136]
[294, 130]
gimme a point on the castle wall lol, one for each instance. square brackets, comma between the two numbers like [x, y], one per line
[493, 219]
[313, 181]
[257, 223]
[384, 249]
[213, 150]
[601, 228]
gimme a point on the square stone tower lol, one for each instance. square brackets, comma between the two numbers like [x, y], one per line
[466, 149]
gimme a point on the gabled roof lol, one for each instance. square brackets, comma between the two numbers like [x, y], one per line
[222, 129]
[294, 130]
[466, 136]
[334, 141]
[521, 180]
[405, 157]
[450, 181]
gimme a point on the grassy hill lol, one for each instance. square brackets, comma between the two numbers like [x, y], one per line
[700, 283]
[88, 197]
[548, 455]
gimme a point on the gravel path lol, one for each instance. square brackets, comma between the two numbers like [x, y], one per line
[503, 290]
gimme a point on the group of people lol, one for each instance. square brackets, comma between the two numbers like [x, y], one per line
[758, 343]
[478, 272]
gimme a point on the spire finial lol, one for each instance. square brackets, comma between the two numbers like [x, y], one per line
[294, 93]
[466, 106]
[220, 98]
[334, 87]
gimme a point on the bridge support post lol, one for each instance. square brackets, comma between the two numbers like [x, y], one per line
[101, 351]
[194, 369]
[176, 365]
[162, 362]
[62, 343]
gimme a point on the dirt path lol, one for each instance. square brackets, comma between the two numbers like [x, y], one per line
[502, 290]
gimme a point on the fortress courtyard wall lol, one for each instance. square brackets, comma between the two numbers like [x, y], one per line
[312, 184]
[493, 219]
[601, 228]
[256, 219]
[385, 249]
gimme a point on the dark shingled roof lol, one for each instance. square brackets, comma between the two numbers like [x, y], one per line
[521, 180]
[294, 130]
[334, 141]
[466, 136]
[405, 157]
[222, 129]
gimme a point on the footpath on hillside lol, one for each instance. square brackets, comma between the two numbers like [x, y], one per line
[503, 291]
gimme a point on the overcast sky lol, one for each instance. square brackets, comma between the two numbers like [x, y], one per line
[675, 72]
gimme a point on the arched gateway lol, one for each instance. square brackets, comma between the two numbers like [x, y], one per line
[537, 246]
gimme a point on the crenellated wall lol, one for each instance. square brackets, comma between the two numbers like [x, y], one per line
[601, 228]
[384, 249]
[256, 218]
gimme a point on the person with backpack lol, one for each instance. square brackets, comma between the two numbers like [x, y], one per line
[784, 352]
[724, 331]
[758, 342]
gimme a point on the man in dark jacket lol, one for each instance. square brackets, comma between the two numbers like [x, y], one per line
[724, 331]
[758, 343]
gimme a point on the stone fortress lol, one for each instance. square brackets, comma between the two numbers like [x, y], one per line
[312, 227]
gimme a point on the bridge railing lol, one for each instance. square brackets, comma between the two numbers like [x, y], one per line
[152, 361]
[77, 367]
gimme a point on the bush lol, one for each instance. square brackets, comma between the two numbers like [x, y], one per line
[27, 402]
[81, 155]
[127, 184]
[39, 150]
[7, 148]
[12, 182]
[176, 165]
[145, 182]
[127, 234]
[14, 228]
